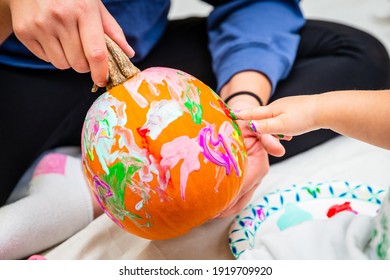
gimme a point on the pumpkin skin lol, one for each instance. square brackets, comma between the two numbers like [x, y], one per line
[162, 153]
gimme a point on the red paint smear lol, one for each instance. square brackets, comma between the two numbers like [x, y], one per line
[224, 108]
[333, 210]
[142, 132]
[156, 158]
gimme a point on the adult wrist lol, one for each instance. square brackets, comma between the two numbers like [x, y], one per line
[245, 93]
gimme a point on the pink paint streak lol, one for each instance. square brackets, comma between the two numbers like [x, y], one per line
[182, 148]
[53, 163]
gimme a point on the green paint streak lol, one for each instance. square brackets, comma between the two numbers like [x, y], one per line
[105, 121]
[232, 115]
[195, 110]
[384, 244]
[90, 154]
[313, 192]
[115, 179]
[131, 171]
[374, 233]
[236, 128]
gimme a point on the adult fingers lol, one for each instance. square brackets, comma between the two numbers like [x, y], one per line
[73, 49]
[94, 46]
[36, 48]
[238, 205]
[272, 145]
[55, 52]
[113, 30]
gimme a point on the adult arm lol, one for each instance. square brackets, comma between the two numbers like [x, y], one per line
[253, 44]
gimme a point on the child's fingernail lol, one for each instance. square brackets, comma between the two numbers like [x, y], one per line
[236, 110]
[252, 126]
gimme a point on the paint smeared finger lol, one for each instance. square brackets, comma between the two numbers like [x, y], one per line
[252, 126]
[268, 126]
[282, 137]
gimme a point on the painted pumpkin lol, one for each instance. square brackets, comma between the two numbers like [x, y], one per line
[161, 151]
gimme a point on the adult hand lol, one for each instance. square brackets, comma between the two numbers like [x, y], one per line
[68, 34]
[258, 147]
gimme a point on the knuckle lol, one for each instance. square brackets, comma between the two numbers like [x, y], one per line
[30, 27]
[21, 30]
[61, 65]
[39, 23]
[82, 7]
[265, 126]
[59, 14]
[97, 55]
[81, 66]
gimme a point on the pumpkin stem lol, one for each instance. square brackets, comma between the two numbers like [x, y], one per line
[120, 68]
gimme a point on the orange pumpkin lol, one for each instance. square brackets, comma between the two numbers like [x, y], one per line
[160, 150]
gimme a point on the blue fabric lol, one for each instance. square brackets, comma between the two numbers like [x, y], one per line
[244, 35]
[254, 35]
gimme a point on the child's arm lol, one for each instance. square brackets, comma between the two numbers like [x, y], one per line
[364, 115]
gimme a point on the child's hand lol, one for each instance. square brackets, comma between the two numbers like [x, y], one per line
[283, 118]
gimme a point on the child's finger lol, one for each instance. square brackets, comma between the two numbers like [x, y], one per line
[254, 113]
[255, 129]
[266, 126]
[279, 136]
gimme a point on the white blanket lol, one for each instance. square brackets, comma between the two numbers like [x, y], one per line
[339, 159]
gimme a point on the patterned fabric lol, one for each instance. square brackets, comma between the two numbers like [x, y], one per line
[310, 201]
[380, 238]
